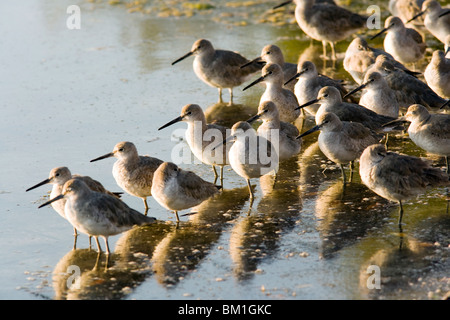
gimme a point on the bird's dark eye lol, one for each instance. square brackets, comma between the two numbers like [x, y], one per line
[57, 175]
[268, 52]
[325, 95]
[121, 150]
[266, 110]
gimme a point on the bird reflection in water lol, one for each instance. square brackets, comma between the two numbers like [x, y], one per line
[185, 247]
[256, 235]
[416, 266]
[345, 215]
[85, 274]
[226, 115]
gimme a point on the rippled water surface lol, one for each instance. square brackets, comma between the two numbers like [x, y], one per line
[69, 96]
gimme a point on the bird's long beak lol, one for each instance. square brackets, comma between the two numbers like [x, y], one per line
[225, 141]
[445, 104]
[313, 129]
[39, 184]
[416, 16]
[177, 119]
[307, 104]
[51, 200]
[282, 4]
[190, 53]
[257, 60]
[254, 118]
[355, 90]
[381, 32]
[260, 79]
[444, 14]
[108, 155]
[396, 121]
[298, 74]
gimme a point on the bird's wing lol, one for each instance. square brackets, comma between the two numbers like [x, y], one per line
[415, 35]
[289, 129]
[195, 186]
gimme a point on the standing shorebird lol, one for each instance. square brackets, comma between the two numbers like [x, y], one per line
[377, 95]
[199, 135]
[284, 99]
[176, 189]
[330, 100]
[310, 82]
[273, 54]
[404, 44]
[436, 21]
[398, 177]
[430, 132]
[437, 74]
[251, 155]
[326, 22]
[359, 57]
[97, 214]
[281, 134]
[58, 177]
[341, 141]
[408, 89]
[132, 172]
[219, 68]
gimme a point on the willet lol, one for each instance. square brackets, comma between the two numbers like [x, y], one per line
[377, 95]
[310, 82]
[326, 23]
[219, 68]
[330, 100]
[281, 134]
[359, 56]
[251, 156]
[398, 177]
[97, 214]
[58, 177]
[437, 74]
[436, 21]
[430, 132]
[404, 44]
[408, 89]
[199, 135]
[176, 189]
[132, 172]
[406, 9]
[341, 141]
[273, 54]
[284, 99]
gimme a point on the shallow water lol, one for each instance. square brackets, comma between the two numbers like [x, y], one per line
[69, 96]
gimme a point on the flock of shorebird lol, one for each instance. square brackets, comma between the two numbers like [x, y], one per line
[349, 130]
